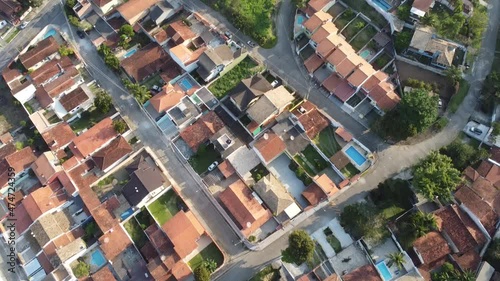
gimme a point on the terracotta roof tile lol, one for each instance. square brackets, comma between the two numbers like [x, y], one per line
[183, 230]
[471, 226]
[43, 97]
[323, 31]
[202, 130]
[315, 21]
[6, 138]
[166, 99]
[42, 50]
[21, 160]
[340, 54]
[104, 274]
[146, 61]
[344, 134]
[50, 69]
[490, 171]
[43, 200]
[423, 5]
[270, 146]
[114, 242]
[181, 271]
[313, 63]
[348, 65]
[329, 44]
[340, 160]
[110, 154]
[478, 207]
[58, 136]
[226, 168]
[470, 173]
[46, 167]
[83, 179]
[73, 99]
[332, 82]
[44, 262]
[185, 55]
[468, 261]
[432, 247]
[10, 74]
[158, 270]
[495, 154]
[93, 139]
[449, 221]
[161, 36]
[61, 83]
[180, 32]
[104, 217]
[361, 74]
[374, 80]
[317, 5]
[485, 189]
[23, 219]
[326, 184]
[313, 122]
[344, 91]
[365, 273]
[132, 9]
[314, 194]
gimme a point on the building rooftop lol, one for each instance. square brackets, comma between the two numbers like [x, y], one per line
[50, 69]
[110, 154]
[146, 61]
[180, 32]
[183, 230]
[365, 273]
[45, 167]
[133, 8]
[42, 50]
[73, 99]
[481, 209]
[490, 172]
[329, 44]
[94, 138]
[423, 5]
[314, 194]
[166, 99]
[431, 247]
[274, 194]
[58, 136]
[249, 89]
[315, 21]
[312, 121]
[202, 130]
[114, 242]
[323, 31]
[103, 274]
[270, 146]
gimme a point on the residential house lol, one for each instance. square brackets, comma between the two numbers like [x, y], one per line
[213, 61]
[180, 33]
[269, 147]
[111, 155]
[267, 107]
[82, 8]
[42, 52]
[49, 71]
[93, 139]
[134, 10]
[58, 138]
[11, 9]
[365, 273]
[162, 11]
[105, 6]
[245, 207]
[420, 8]
[114, 242]
[200, 132]
[424, 42]
[247, 92]
[274, 194]
[310, 119]
[186, 58]
[46, 168]
[146, 182]
[70, 104]
[315, 6]
[20, 87]
[146, 61]
[315, 22]
[168, 98]
[322, 32]
[18, 163]
[431, 251]
[329, 44]
[183, 230]
[291, 133]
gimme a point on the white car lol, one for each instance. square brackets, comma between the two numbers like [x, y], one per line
[24, 24]
[2, 24]
[275, 83]
[440, 103]
[212, 166]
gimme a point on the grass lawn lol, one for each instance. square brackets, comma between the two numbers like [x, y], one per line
[349, 170]
[266, 274]
[336, 9]
[332, 240]
[315, 158]
[136, 232]
[12, 35]
[153, 80]
[381, 61]
[353, 28]
[304, 165]
[390, 211]
[369, 11]
[245, 69]
[459, 96]
[89, 118]
[344, 18]
[144, 218]
[210, 252]
[325, 140]
[205, 156]
[363, 37]
[164, 207]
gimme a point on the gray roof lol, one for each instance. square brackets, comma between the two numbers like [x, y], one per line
[207, 97]
[211, 58]
[99, 24]
[261, 110]
[45, 229]
[159, 10]
[248, 89]
[73, 248]
[236, 143]
[291, 134]
[273, 193]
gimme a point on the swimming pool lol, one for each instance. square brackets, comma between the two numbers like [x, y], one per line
[365, 53]
[129, 53]
[300, 19]
[354, 154]
[97, 259]
[384, 271]
[127, 213]
[382, 4]
[49, 33]
[185, 84]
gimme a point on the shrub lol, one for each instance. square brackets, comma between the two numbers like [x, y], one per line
[64, 50]
[201, 274]
[120, 126]
[252, 238]
[81, 269]
[300, 248]
[103, 101]
[441, 123]
[19, 145]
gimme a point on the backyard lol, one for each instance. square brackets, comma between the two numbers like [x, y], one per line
[165, 207]
[336, 10]
[353, 28]
[90, 118]
[349, 171]
[211, 252]
[326, 142]
[381, 61]
[153, 80]
[369, 11]
[11, 114]
[363, 37]
[314, 158]
[344, 18]
[245, 69]
[136, 232]
[204, 157]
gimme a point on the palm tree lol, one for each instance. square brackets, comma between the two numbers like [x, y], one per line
[396, 259]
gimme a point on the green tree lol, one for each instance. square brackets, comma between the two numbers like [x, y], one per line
[19, 145]
[300, 248]
[396, 259]
[402, 40]
[210, 265]
[363, 220]
[453, 73]
[463, 154]
[403, 12]
[65, 51]
[496, 129]
[492, 255]
[127, 30]
[436, 176]
[35, 3]
[70, 3]
[417, 111]
[140, 92]
[103, 102]
[201, 273]
[299, 4]
[81, 269]
[120, 126]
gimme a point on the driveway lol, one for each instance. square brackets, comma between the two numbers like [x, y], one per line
[279, 168]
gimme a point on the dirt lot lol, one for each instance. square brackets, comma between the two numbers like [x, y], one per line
[446, 90]
[10, 114]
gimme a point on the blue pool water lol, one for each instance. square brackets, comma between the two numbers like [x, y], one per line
[365, 53]
[300, 19]
[127, 213]
[384, 270]
[129, 53]
[382, 4]
[97, 258]
[354, 154]
[185, 84]
[49, 33]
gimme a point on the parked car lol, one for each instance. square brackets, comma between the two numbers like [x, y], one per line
[156, 88]
[213, 166]
[475, 130]
[251, 44]
[275, 83]
[24, 24]
[2, 24]
[80, 34]
[440, 103]
[228, 34]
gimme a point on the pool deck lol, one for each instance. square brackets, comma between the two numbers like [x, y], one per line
[363, 152]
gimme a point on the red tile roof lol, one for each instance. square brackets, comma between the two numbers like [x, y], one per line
[344, 91]
[83, 179]
[270, 146]
[226, 168]
[202, 130]
[180, 32]
[110, 154]
[326, 184]
[43, 200]
[181, 271]
[316, 20]
[58, 136]
[344, 134]
[61, 83]
[468, 261]
[73, 99]
[432, 247]
[423, 5]
[328, 45]
[93, 139]
[161, 36]
[104, 274]
[340, 53]
[351, 63]
[43, 97]
[490, 171]
[104, 217]
[332, 82]
[21, 160]
[470, 173]
[449, 222]
[495, 154]
[238, 199]
[42, 50]
[10, 74]
[312, 121]
[313, 63]
[324, 30]
[471, 226]
[314, 194]
[317, 5]
[166, 99]
[478, 207]
[385, 97]
[365, 273]
[131, 9]
[485, 190]
[114, 242]
[23, 219]
[374, 80]
[361, 74]
[50, 69]
[146, 61]
[183, 230]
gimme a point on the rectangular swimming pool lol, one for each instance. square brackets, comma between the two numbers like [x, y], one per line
[185, 84]
[384, 271]
[130, 53]
[97, 259]
[354, 154]
[382, 4]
